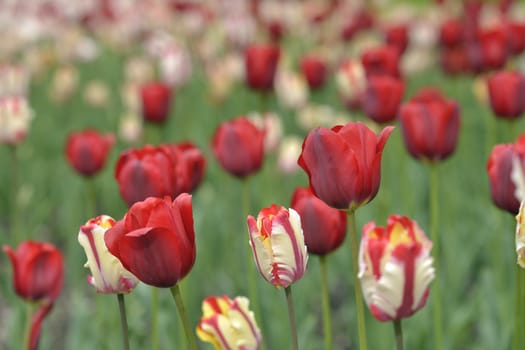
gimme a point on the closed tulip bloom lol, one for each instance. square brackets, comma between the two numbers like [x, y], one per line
[195, 164]
[493, 45]
[87, 150]
[155, 240]
[451, 33]
[454, 60]
[382, 60]
[277, 242]
[506, 91]
[397, 36]
[38, 270]
[395, 268]
[229, 324]
[314, 70]
[15, 119]
[516, 37]
[382, 98]
[260, 65]
[324, 227]
[107, 273]
[344, 163]
[430, 125]
[351, 83]
[238, 145]
[156, 100]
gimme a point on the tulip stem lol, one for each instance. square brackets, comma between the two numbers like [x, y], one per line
[517, 309]
[154, 319]
[91, 187]
[398, 331]
[291, 315]
[175, 292]
[327, 326]
[123, 321]
[434, 217]
[13, 220]
[27, 330]
[361, 326]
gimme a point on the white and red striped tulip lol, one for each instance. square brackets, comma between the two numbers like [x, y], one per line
[108, 274]
[229, 324]
[395, 268]
[520, 235]
[277, 242]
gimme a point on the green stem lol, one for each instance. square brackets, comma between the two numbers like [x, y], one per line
[291, 315]
[13, 220]
[175, 292]
[154, 319]
[521, 281]
[327, 326]
[27, 327]
[361, 326]
[398, 331]
[436, 289]
[91, 205]
[123, 321]
[517, 310]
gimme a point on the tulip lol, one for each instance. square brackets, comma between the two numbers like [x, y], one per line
[451, 33]
[382, 60]
[395, 268]
[277, 242]
[351, 83]
[506, 89]
[155, 240]
[272, 126]
[238, 145]
[108, 274]
[314, 70]
[344, 163]
[520, 235]
[291, 89]
[289, 151]
[156, 100]
[493, 45]
[382, 98]
[195, 164]
[87, 150]
[15, 118]
[454, 60]
[324, 227]
[260, 65]
[516, 37]
[397, 36]
[229, 324]
[430, 125]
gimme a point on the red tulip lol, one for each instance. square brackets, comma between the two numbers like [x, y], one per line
[516, 37]
[87, 150]
[382, 98]
[451, 33]
[344, 163]
[238, 145]
[397, 36]
[195, 164]
[324, 227]
[314, 70]
[260, 65]
[493, 44]
[506, 91]
[382, 60]
[155, 240]
[156, 101]
[454, 60]
[430, 125]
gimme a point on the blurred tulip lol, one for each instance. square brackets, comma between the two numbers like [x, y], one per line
[395, 268]
[229, 324]
[520, 235]
[15, 118]
[87, 150]
[454, 60]
[272, 126]
[96, 93]
[175, 65]
[383, 60]
[506, 90]
[451, 33]
[156, 100]
[131, 127]
[155, 240]
[14, 80]
[350, 176]
[260, 65]
[493, 44]
[324, 227]
[238, 145]
[314, 70]
[397, 36]
[291, 89]
[382, 98]
[277, 242]
[351, 83]
[430, 125]
[138, 70]
[289, 152]
[108, 274]
[64, 83]
[195, 164]
[515, 37]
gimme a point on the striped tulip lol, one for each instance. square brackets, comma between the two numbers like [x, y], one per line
[108, 274]
[277, 242]
[395, 268]
[520, 235]
[228, 324]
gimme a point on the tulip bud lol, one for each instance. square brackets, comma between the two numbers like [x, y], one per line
[506, 89]
[277, 242]
[87, 150]
[395, 268]
[156, 100]
[261, 64]
[229, 324]
[108, 274]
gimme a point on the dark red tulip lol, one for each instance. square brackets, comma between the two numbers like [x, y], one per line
[494, 50]
[276, 29]
[382, 60]
[156, 101]
[155, 240]
[360, 21]
[238, 145]
[195, 164]
[382, 98]
[344, 163]
[260, 65]
[87, 150]
[430, 125]
[506, 94]
[38, 270]
[314, 70]
[516, 37]
[324, 227]
[397, 36]
[451, 33]
[454, 60]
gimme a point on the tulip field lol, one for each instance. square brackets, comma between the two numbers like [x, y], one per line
[210, 146]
